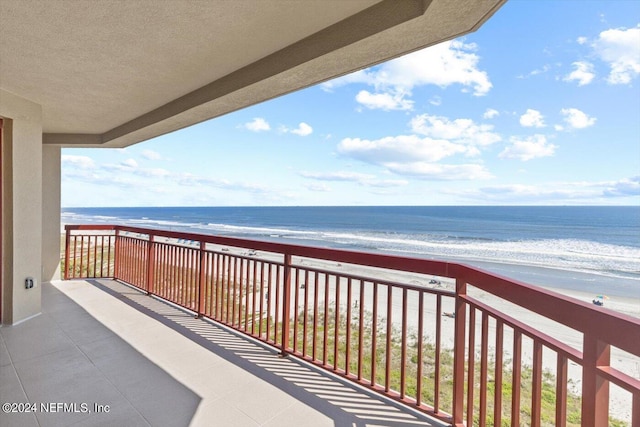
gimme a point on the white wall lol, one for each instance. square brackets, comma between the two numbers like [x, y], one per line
[22, 206]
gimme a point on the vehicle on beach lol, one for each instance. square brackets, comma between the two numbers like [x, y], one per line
[599, 300]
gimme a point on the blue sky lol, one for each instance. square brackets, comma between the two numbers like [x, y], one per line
[541, 106]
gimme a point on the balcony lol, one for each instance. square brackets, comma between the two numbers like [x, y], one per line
[277, 333]
[135, 360]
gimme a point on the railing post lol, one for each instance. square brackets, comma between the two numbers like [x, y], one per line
[67, 242]
[151, 262]
[116, 255]
[201, 280]
[459, 352]
[595, 389]
[286, 304]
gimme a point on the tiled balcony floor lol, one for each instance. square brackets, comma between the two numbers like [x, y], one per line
[101, 342]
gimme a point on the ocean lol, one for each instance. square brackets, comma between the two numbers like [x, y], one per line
[588, 248]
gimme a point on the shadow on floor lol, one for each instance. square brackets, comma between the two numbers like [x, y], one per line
[74, 371]
[342, 401]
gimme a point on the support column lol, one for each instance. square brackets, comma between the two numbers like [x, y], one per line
[51, 231]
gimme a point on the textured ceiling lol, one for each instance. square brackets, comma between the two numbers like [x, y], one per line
[115, 73]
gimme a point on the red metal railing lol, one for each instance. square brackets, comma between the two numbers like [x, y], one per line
[373, 319]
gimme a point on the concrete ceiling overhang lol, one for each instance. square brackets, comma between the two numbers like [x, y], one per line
[111, 73]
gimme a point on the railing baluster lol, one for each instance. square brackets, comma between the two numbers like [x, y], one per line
[360, 329]
[276, 309]
[262, 298]
[459, 353]
[471, 372]
[286, 304]
[269, 299]
[561, 391]
[374, 333]
[536, 386]
[388, 348]
[306, 310]
[484, 356]
[497, 395]
[235, 288]
[336, 328]
[95, 256]
[325, 320]
[436, 375]
[419, 356]
[253, 304]
[245, 285]
[403, 343]
[82, 256]
[202, 279]
[67, 242]
[296, 285]
[347, 353]
[516, 378]
[151, 265]
[635, 410]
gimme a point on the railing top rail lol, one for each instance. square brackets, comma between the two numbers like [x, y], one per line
[528, 330]
[415, 265]
[620, 330]
[73, 227]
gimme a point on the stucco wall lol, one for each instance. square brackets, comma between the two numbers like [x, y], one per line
[50, 213]
[22, 206]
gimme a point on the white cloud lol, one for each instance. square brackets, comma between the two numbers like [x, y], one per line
[387, 183]
[581, 40]
[527, 149]
[155, 173]
[545, 68]
[460, 131]
[384, 101]
[435, 171]
[620, 49]
[528, 193]
[402, 148]
[129, 163]
[583, 73]
[360, 178]
[151, 155]
[623, 188]
[337, 176]
[448, 63]
[258, 124]
[303, 129]
[436, 100]
[490, 113]
[434, 138]
[556, 191]
[319, 187]
[82, 162]
[532, 118]
[576, 118]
